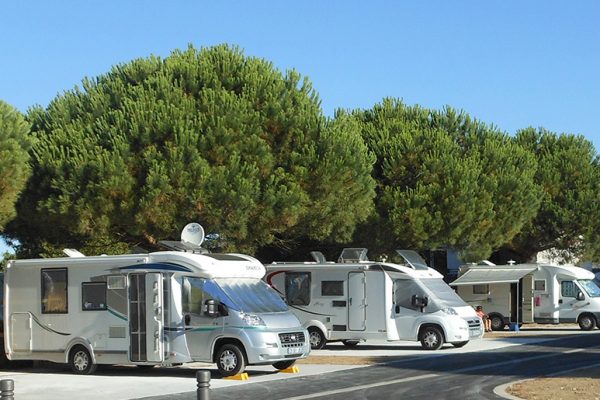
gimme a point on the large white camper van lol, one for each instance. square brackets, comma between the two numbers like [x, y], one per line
[356, 299]
[525, 293]
[160, 308]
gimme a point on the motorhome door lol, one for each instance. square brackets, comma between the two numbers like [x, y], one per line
[527, 293]
[146, 317]
[568, 305]
[357, 294]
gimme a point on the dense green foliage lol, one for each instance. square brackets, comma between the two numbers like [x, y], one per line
[229, 141]
[209, 136]
[446, 180]
[569, 216]
[14, 159]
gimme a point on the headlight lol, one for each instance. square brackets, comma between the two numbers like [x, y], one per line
[449, 311]
[253, 320]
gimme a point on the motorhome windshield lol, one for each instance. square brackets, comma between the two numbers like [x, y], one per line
[251, 295]
[441, 294]
[590, 287]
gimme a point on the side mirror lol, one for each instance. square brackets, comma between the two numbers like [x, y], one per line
[211, 308]
[580, 296]
[223, 310]
[419, 302]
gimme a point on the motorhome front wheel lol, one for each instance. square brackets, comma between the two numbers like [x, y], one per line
[284, 364]
[586, 322]
[431, 338]
[230, 360]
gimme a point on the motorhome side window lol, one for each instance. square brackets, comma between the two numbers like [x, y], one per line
[481, 289]
[93, 296]
[540, 285]
[297, 288]
[54, 291]
[194, 295]
[568, 289]
[332, 288]
[404, 290]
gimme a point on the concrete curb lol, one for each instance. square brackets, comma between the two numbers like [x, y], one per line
[501, 390]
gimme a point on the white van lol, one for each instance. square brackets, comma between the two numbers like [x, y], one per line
[526, 293]
[161, 308]
[356, 299]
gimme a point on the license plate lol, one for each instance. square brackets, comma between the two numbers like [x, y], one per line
[475, 332]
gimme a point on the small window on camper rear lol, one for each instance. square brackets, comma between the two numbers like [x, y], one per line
[297, 288]
[93, 296]
[54, 291]
[539, 285]
[481, 289]
[332, 288]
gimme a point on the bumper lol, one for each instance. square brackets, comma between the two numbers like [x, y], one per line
[271, 347]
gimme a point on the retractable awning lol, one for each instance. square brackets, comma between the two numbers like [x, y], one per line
[484, 276]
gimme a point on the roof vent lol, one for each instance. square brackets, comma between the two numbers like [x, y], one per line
[353, 255]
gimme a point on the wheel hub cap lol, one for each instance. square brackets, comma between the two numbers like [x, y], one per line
[431, 339]
[80, 360]
[228, 360]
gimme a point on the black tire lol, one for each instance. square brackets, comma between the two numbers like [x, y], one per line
[350, 343]
[586, 322]
[460, 344]
[144, 366]
[283, 364]
[230, 360]
[316, 338]
[497, 322]
[431, 338]
[81, 362]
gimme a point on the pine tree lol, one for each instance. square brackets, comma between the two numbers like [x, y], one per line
[14, 167]
[446, 180]
[204, 135]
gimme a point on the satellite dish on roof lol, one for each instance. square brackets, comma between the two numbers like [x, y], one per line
[193, 234]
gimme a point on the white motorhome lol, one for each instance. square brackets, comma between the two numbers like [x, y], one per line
[162, 308]
[525, 293]
[356, 299]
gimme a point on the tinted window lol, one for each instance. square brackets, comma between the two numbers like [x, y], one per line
[297, 288]
[568, 289]
[332, 288]
[54, 291]
[93, 296]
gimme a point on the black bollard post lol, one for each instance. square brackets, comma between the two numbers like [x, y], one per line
[7, 389]
[203, 383]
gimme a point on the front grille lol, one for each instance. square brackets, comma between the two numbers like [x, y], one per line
[294, 339]
[474, 323]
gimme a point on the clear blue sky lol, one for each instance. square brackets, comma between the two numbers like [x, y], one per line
[511, 63]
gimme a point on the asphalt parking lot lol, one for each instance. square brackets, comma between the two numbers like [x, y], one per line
[119, 382]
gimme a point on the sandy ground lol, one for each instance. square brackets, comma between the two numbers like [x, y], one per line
[576, 385]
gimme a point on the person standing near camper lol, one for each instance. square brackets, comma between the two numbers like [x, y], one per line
[487, 323]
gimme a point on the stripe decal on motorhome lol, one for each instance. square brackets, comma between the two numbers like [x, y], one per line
[47, 328]
[182, 331]
[117, 314]
[158, 266]
[311, 312]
